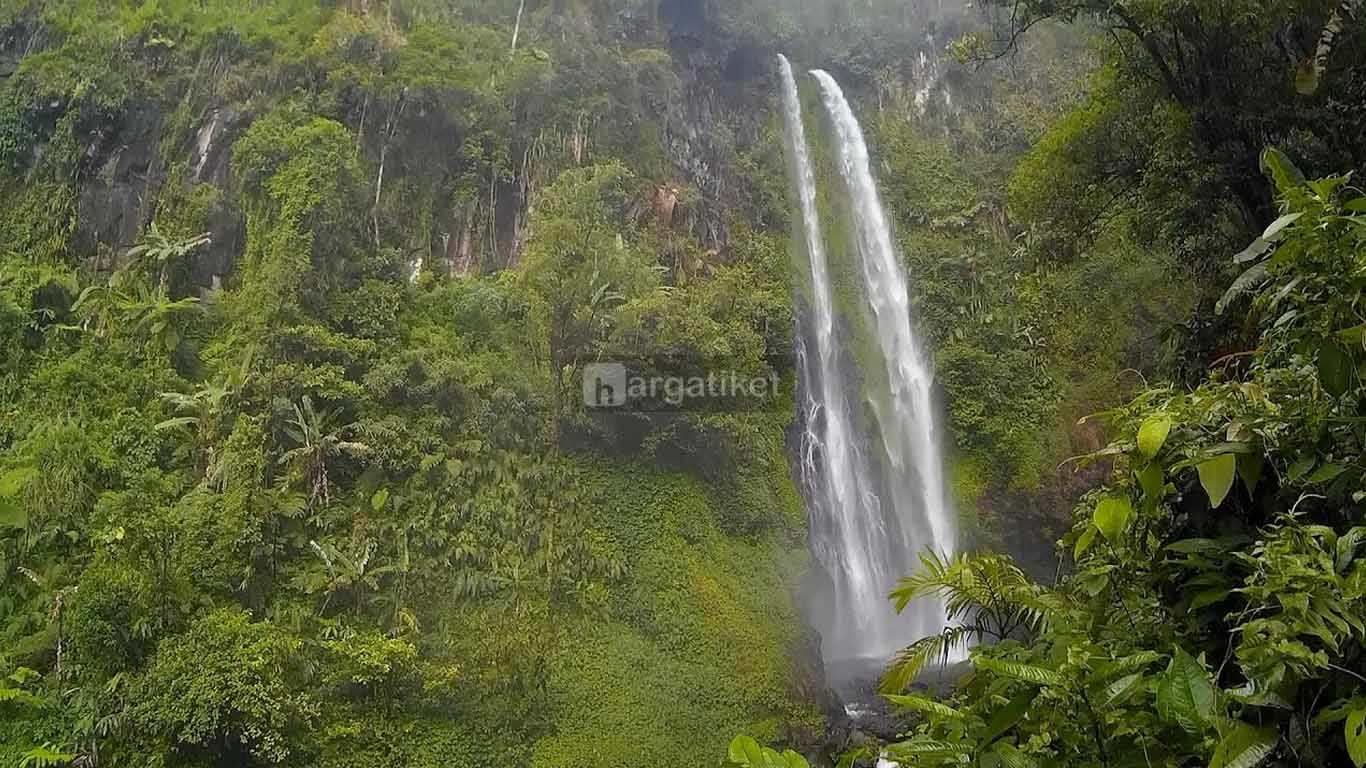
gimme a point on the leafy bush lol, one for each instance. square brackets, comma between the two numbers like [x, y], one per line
[1215, 613]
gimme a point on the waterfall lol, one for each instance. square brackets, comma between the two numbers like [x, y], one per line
[871, 467]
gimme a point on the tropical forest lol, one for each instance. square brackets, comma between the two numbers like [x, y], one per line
[682, 383]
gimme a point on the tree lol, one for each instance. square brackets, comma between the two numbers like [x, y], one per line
[227, 684]
[580, 267]
[317, 443]
[1170, 136]
[1214, 612]
[151, 317]
[162, 254]
[989, 597]
[201, 414]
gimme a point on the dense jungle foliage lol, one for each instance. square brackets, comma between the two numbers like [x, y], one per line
[1215, 612]
[295, 296]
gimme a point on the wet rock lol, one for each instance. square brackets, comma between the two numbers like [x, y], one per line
[17, 40]
[228, 233]
[121, 175]
[866, 719]
[212, 147]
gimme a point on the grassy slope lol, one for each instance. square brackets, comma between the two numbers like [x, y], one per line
[699, 641]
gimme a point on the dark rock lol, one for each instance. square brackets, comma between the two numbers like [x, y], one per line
[748, 62]
[121, 173]
[211, 151]
[865, 718]
[17, 41]
[228, 233]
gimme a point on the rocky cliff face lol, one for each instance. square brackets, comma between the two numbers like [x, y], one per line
[455, 215]
[469, 218]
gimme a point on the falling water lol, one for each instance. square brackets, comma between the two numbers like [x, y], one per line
[872, 470]
[908, 426]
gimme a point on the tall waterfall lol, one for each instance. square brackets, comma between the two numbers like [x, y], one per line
[871, 464]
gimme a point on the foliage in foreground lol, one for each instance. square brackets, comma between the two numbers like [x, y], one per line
[1215, 614]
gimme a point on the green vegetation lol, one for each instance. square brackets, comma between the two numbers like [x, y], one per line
[1210, 610]
[1215, 614]
[293, 465]
[295, 298]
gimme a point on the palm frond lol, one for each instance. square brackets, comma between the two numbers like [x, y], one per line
[922, 750]
[45, 756]
[969, 583]
[1024, 672]
[924, 706]
[913, 659]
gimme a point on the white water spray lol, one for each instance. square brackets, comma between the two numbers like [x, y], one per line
[874, 476]
[908, 428]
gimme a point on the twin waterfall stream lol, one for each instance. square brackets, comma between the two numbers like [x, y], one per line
[871, 468]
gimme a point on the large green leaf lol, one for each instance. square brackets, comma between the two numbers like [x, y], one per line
[176, 423]
[1254, 250]
[743, 750]
[1006, 717]
[747, 753]
[1281, 170]
[1120, 689]
[1153, 433]
[1354, 731]
[1300, 468]
[1112, 517]
[1325, 474]
[1274, 231]
[1185, 694]
[1335, 368]
[1084, 542]
[1250, 470]
[1011, 757]
[1216, 475]
[1244, 746]
[380, 498]
[919, 750]
[1207, 597]
[1152, 481]
[1251, 278]
[1346, 550]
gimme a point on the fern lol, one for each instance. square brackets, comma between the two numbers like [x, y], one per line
[913, 659]
[925, 706]
[1025, 672]
[989, 597]
[45, 756]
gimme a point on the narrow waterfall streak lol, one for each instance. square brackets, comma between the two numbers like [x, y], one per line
[907, 417]
[872, 469]
[848, 507]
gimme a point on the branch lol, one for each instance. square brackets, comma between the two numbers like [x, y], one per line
[1008, 44]
[1128, 22]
